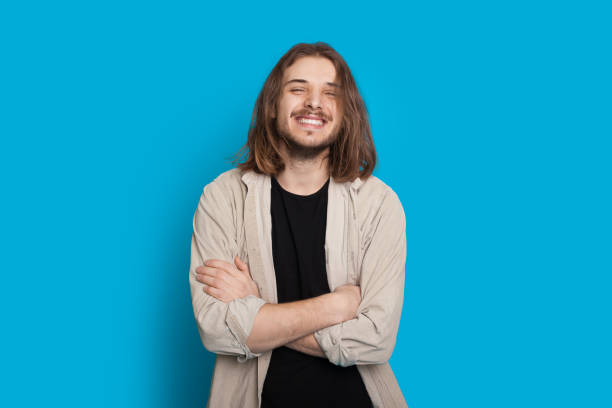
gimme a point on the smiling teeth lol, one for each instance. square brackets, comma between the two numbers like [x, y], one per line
[311, 122]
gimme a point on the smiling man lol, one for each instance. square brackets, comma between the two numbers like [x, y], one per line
[298, 254]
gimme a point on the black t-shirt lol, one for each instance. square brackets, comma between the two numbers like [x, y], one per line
[295, 379]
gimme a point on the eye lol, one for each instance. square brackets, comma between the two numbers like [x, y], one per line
[297, 90]
[330, 93]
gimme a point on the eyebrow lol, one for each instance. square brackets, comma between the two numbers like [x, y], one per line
[303, 81]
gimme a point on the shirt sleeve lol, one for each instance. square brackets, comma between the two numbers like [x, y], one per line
[370, 337]
[223, 327]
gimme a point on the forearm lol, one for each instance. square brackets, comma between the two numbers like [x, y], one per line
[278, 324]
[307, 345]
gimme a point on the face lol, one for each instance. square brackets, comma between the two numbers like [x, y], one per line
[309, 112]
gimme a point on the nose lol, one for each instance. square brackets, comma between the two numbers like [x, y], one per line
[313, 101]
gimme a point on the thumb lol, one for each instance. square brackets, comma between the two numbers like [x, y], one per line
[243, 267]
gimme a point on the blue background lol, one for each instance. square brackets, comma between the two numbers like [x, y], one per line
[492, 123]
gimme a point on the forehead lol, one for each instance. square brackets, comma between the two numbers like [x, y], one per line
[312, 69]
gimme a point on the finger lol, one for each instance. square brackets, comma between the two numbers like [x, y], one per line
[243, 267]
[218, 273]
[205, 270]
[221, 291]
[217, 263]
[218, 285]
[240, 264]
[210, 281]
[226, 266]
[217, 278]
[230, 290]
[216, 293]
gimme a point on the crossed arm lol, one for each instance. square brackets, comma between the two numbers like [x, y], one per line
[233, 319]
[288, 324]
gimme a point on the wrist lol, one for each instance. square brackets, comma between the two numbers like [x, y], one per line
[338, 307]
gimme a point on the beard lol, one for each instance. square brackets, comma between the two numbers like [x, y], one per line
[303, 152]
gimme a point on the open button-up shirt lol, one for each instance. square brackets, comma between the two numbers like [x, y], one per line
[365, 245]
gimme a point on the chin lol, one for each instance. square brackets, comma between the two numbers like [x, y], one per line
[308, 139]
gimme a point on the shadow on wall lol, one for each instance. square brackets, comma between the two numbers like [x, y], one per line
[186, 367]
[183, 369]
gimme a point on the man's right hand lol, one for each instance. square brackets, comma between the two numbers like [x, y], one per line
[349, 298]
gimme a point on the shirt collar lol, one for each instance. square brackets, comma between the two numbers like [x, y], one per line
[250, 177]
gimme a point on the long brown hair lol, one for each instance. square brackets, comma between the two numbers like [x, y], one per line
[351, 155]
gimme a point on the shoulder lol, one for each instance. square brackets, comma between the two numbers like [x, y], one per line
[377, 201]
[226, 190]
[374, 185]
[230, 178]
[375, 192]
[226, 183]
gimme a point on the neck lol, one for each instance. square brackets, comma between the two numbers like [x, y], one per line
[303, 176]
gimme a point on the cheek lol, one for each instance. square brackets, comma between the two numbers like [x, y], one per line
[285, 108]
[336, 112]
[333, 106]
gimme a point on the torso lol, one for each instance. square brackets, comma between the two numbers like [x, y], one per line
[298, 238]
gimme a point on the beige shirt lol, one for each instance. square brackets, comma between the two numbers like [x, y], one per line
[365, 244]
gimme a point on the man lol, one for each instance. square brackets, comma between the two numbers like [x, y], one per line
[297, 256]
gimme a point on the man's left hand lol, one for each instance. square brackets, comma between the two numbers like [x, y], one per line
[226, 281]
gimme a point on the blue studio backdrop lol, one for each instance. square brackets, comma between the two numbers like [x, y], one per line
[491, 121]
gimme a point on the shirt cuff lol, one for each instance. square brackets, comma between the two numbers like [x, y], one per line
[240, 318]
[329, 340]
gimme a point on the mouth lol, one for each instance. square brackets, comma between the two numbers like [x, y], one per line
[310, 122]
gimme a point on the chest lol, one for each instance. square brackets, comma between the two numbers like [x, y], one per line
[341, 244]
[298, 239]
